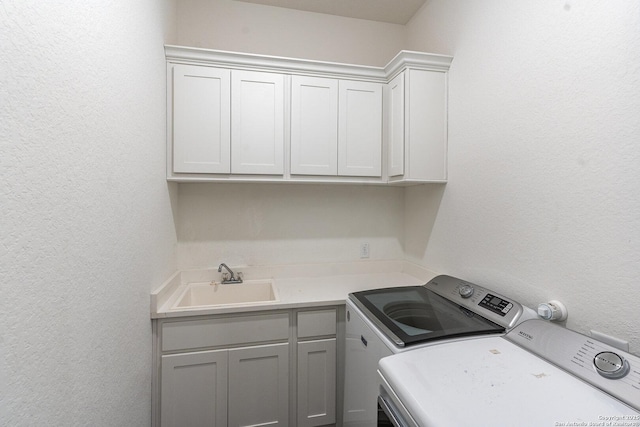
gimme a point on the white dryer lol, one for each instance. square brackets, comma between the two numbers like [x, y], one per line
[382, 322]
[538, 374]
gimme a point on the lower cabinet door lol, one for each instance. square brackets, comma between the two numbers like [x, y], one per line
[194, 389]
[317, 382]
[259, 385]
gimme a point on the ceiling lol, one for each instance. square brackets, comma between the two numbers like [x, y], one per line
[391, 11]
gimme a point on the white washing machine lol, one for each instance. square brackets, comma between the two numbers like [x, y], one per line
[538, 374]
[382, 322]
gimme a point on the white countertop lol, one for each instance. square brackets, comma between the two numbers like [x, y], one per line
[297, 286]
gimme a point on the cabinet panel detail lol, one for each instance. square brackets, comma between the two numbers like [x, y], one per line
[317, 382]
[194, 389]
[360, 129]
[396, 125]
[201, 119]
[257, 123]
[427, 124]
[259, 386]
[314, 126]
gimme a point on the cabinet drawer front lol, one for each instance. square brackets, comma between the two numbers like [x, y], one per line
[225, 331]
[316, 323]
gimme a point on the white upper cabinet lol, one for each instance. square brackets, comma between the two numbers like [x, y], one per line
[314, 126]
[360, 129]
[417, 127]
[210, 105]
[201, 126]
[247, 118]
[336, 127]
[257, 123]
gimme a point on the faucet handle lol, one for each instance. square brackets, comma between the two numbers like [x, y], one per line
[225, 276]
[240, 276]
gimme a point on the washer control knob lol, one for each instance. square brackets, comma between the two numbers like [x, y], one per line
[465, 291]
[610, 365]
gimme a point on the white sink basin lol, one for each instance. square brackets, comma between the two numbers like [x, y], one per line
[197, 295]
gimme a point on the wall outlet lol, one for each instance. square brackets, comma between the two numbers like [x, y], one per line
[364, 250]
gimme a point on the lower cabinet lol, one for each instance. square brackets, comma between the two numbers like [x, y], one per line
[316, 367]
[247, 370]
[238, 387]
[317, 382]
[259, 386]
[194, 389]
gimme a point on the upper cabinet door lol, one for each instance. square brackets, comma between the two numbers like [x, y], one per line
[201, 119]
[426, 139]
[417, 127]
[360, 129]
[257, 123]
[395, 126]
[314, 126]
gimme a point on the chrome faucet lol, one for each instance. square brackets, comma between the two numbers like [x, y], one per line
[229, 277]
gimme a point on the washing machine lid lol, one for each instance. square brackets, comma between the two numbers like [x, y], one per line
[445, 307]
[493, 382]
[415, 314]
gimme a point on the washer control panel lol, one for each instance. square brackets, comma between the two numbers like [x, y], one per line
[496, 304]
[612, 370]
[482, 301]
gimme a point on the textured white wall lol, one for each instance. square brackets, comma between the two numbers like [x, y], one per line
[245, 27]
[261, 224]
[544, 125]
[87, 226]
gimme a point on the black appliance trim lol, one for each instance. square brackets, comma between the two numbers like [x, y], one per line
[400, 338]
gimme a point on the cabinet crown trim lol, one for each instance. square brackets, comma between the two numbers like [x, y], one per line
[404, 59]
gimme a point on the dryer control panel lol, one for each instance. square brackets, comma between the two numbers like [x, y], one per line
[610, 369]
